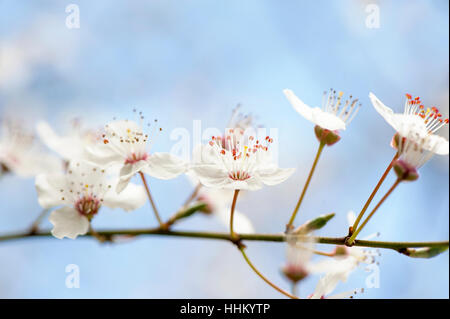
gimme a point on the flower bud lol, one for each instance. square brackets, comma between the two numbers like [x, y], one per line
[395, 142]
[294, 273]
[340, 251]
[405, 172]
[313, 224]
[326, 136]
[426, 252]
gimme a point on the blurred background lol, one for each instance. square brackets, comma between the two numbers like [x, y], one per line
[180, 61]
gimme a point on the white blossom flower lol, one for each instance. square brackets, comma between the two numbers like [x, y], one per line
[229, 162]
[415, 150]
[299, 264]
[335, 114]
[416, 121]
[81, 192]
[348, 259]
[69, 146]
[21, 154]
[125, 144]
[327, 284]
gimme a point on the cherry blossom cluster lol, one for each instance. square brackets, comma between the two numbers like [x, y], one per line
[95, 169]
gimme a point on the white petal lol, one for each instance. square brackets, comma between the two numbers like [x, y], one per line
[406, 125]
[49, 188]
[325, 285]
[382, 109]
[327, 120]
[303, 109]
[67, 222]
[127, 172]
[252, 184]
[275, 176]
[102, 155]
[437, 144]
[241, 224]
[210, 175]
[67, 147]
[165, 166]
[316, 115]
[131, 198]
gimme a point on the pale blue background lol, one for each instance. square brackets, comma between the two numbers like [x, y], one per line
[185, 60]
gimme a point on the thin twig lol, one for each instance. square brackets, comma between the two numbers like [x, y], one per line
[398, 246]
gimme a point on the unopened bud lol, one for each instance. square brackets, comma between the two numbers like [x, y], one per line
[405, 172]
[313, 224]
[325, 136]
[340, 251]
[294, 273]
[427, 252]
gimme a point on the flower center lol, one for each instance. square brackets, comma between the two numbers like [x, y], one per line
[431, 116]
[239, 157]
[134, 158]
[333, 103]
[88, 205]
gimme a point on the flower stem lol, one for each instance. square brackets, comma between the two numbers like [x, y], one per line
[352, 238]
[155, 210]
[375, 190]
[35, 226]
[311, 172]
[193, 195]
[294, 288]
[279, 238]
[233, 206]
[263, 277]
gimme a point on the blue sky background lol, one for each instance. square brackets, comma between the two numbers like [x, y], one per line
[185, 60]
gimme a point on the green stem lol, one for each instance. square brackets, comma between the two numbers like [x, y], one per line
[226, 236]
[375, 190]
[353, 236]
[233, 206]
[308, 180]
[263, 277]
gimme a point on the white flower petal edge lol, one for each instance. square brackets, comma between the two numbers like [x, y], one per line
[67, 222]
[326, 285]
[165, 166]
[47, 187]
[274, 176]
[242, 224]
[127, 172]
[131, 198]
[315, 115]
[66, 146]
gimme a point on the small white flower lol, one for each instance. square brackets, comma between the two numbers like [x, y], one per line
[335, 113]
[327, 284]
[125, 144]
[229, 162]
[82, 191]
[415, 150]
[299, 264]
[21, 154]
[416, 121]
[348, 259]
[72, 144]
